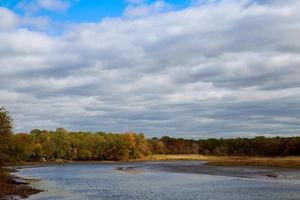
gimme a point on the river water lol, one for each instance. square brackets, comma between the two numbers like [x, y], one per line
[182, 180]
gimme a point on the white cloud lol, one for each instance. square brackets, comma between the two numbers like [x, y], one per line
[135, 1]
[144, 10]
[37, 23]
[59, 5]
[219, 69]
[33, 6]
[9, 20]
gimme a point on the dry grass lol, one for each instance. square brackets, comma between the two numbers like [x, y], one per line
[176, 157]
[284, 162]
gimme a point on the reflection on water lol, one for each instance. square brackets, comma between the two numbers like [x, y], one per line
[154, 181]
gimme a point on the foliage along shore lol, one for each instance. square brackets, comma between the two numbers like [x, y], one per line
[87, 146]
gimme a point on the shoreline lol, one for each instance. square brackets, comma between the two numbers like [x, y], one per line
[290, 162]
[13, 187]
[229, 161]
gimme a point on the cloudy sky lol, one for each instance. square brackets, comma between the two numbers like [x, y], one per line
[185, 68]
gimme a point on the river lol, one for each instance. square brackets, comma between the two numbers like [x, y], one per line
[182, 180]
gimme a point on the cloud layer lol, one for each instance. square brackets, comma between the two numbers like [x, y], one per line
[219, 69]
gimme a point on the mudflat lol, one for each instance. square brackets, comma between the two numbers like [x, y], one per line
[202, 167]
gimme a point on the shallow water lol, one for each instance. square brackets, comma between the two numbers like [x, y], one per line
[160, 180]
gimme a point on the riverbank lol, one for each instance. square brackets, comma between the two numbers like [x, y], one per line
[12, 188]
[282, 162]
[292, 162]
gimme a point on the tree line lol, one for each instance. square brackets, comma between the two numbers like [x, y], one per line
[62, 144]
[258, 146]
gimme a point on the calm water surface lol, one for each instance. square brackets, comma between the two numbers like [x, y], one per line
[153, 180]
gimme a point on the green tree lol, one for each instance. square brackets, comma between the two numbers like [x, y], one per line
[62, 142]
[5, 135]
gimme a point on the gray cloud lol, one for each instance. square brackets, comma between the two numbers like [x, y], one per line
[220, 69]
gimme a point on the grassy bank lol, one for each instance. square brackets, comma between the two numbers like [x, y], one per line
[176, 157]
[284, 162]
[10, 188]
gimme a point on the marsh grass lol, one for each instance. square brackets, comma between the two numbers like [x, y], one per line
[284, 162]
[176, 157]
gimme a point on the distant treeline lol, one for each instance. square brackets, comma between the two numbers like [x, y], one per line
[61, 144]
[258, 146]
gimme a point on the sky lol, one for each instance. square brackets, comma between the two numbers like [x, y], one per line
[184, 68]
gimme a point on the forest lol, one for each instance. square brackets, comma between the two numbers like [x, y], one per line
[81, 146]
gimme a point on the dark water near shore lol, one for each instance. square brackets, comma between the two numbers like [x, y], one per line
[162, 180]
